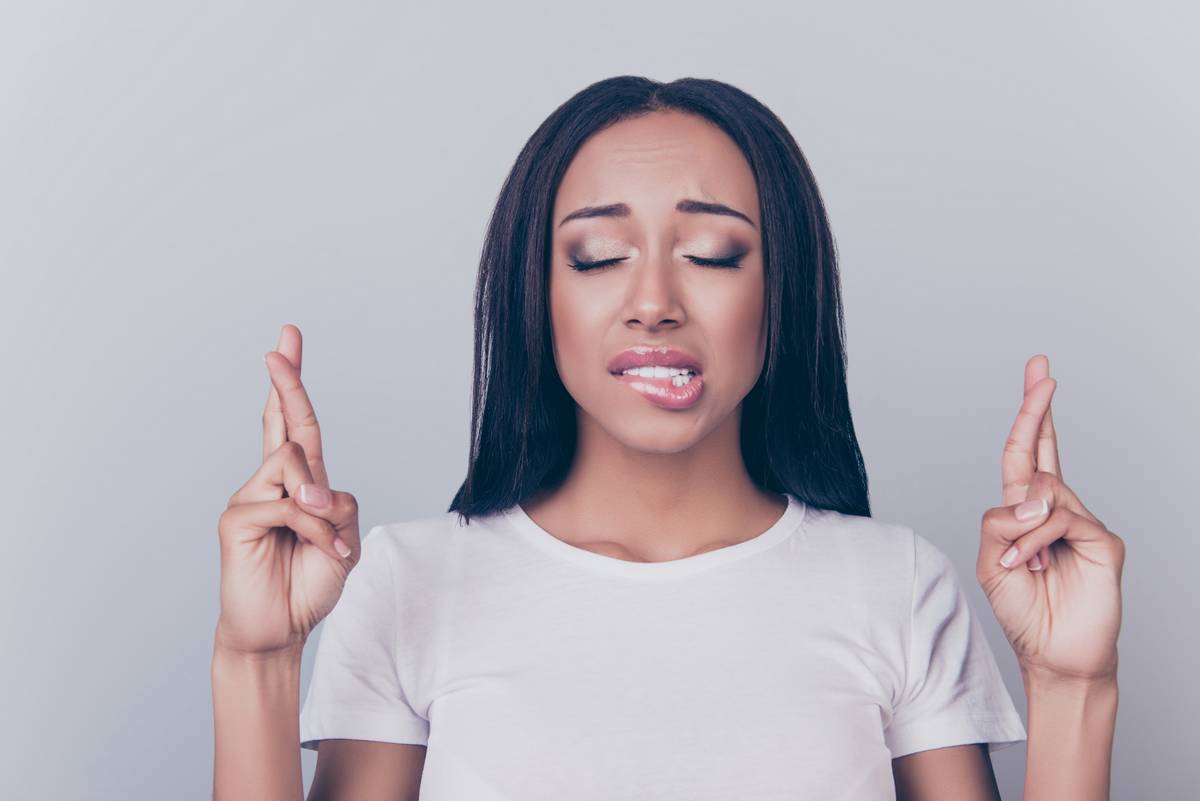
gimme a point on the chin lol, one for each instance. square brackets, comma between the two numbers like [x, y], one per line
[655, 433]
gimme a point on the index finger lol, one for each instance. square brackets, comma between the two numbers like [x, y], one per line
[298, 414]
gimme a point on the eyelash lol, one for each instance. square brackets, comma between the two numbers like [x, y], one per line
[729, 263]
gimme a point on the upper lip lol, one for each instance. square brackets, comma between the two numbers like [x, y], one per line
[652, 355]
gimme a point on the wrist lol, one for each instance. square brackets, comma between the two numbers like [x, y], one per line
[1039, 681]
[283, 657]
[273, 677]
[229, 654]
[282, 661]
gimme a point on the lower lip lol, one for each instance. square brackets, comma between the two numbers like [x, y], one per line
[661, 392]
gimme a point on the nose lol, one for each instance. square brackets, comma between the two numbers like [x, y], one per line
[652, 300]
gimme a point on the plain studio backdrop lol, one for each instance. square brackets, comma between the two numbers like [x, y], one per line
[178, 180]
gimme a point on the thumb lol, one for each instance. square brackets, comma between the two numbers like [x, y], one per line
[1004, 525]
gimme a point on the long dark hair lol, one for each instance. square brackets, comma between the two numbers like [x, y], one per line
[796, 432]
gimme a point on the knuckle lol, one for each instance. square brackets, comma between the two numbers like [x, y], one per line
[346, 502]
[988, 521]
[227, 520]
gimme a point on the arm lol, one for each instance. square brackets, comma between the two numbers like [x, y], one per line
[257, 750]
[1068, 756]
[256, 726]
[1071, 726]
[288, 545]
[955, 773]
[364, 770]
[1052, 572]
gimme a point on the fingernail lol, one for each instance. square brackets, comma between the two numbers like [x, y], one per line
[1009, 557]
[341, 547]
[315, 495]
[1035, 563]
[1032, 509]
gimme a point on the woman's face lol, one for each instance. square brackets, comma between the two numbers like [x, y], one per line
[659, 293]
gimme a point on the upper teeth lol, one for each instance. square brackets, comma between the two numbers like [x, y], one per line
[658, 372]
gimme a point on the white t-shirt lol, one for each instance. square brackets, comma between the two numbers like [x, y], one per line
[794, 665]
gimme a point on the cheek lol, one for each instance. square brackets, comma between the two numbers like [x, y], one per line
[576, 319]
[737, 333]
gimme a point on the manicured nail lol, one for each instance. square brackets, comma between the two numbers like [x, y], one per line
[1035, 563]
[1009, 557]
[315, 495]
[1030, 510]
[341, 547]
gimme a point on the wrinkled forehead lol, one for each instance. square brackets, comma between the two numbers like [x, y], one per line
[651, 162]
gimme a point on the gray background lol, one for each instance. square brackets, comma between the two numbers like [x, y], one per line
[179, 180]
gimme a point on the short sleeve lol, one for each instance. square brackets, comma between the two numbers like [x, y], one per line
[953, 691]
[355, 691]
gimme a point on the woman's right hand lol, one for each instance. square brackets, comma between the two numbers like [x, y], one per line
[281, 572]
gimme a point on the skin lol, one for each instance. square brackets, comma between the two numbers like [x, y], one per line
[281, 573]
[650, 484]
[667, 483]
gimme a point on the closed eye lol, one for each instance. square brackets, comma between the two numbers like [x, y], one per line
[584, 266]
[727, 262]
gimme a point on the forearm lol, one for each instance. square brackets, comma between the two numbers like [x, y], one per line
[256, 703]
[1071, 726]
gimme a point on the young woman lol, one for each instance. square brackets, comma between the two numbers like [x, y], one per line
[660, 578]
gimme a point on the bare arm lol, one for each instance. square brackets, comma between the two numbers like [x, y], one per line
[361, 770]
[955, 773]
[257, 751]
[288, 543]
[1069, 751]
[256, 724]
[1071, 727]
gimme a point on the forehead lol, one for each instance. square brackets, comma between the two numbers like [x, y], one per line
[652, 161]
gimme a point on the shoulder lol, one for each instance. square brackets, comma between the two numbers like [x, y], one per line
[882, 558]
[863, 539]
[871, 540]
[867, 561]
[435, 542]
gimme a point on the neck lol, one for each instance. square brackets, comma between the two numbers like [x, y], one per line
[656, 505]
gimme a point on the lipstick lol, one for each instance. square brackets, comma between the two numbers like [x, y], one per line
[667, 377]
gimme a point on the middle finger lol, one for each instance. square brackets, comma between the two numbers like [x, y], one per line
[298, 414]
[274, 428]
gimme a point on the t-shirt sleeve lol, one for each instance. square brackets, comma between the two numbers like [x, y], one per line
[953, 692]
[355, 691]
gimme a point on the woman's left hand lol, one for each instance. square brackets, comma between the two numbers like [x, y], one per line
[1059, 603]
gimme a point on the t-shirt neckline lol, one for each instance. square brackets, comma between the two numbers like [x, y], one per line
[778, 531]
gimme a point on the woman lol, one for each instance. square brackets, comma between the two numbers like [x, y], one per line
[660, 578]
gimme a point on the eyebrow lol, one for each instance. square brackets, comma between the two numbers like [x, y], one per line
[686, 206]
